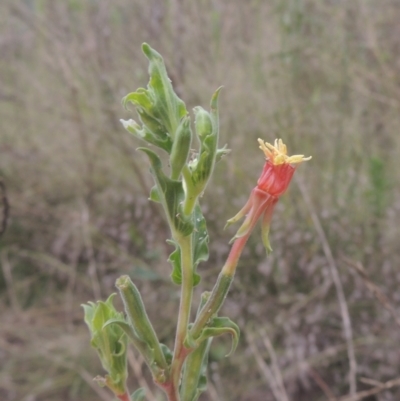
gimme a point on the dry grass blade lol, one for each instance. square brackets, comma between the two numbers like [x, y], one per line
[330, 355]
[92, 269]
[371, 382]
[347, 329]
[85, 375]
[373, 288]
[212, 391]
[6, 207]
[367, 393]
[274, 363]
[321, 384]
[7, 273]
[266, 370]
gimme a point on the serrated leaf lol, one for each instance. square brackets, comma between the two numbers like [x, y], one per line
[139, 394]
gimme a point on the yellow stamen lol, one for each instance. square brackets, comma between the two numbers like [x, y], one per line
[277, 153]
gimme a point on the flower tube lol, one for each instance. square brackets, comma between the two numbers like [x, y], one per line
[275, 178]
[273, 182]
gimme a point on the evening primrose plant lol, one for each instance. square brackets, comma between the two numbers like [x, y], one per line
[166, 127]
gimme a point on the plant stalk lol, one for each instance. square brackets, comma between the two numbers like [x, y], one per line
[221, 287]
[124, 397]
[180, 352]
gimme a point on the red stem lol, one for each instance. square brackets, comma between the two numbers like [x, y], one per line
[234, 255]
[124, 397]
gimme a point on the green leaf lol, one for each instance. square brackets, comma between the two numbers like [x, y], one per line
[207, 131]
[154, 195]
[109, 342]
[161, 141]
[194, 380]
[171, 195]
[140, 98]
[125, 326]
[200, 237]
[221, 153]
[167, 353]
[160, 109]
[139, 394]
[175, 260]
[217, 327]
[167, 106]
[140, 324]
[180, 148]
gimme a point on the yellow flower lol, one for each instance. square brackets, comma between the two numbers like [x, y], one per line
[277, 153]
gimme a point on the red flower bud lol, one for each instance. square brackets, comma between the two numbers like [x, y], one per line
[275, 179]
[273, 182]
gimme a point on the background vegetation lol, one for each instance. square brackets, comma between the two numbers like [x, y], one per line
[323, 75]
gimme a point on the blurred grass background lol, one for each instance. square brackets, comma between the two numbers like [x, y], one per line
[322, 75]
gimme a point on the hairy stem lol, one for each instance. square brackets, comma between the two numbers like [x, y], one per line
[180, 352]
[221, 287]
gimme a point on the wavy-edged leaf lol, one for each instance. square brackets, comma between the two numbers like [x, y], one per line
[159, 108]
[175, 260]
[142, 347]
[167, 106]
[110, 342]
[140, 98]
[124, 325]
[219, 326]
[171, 195]
[144, 133]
